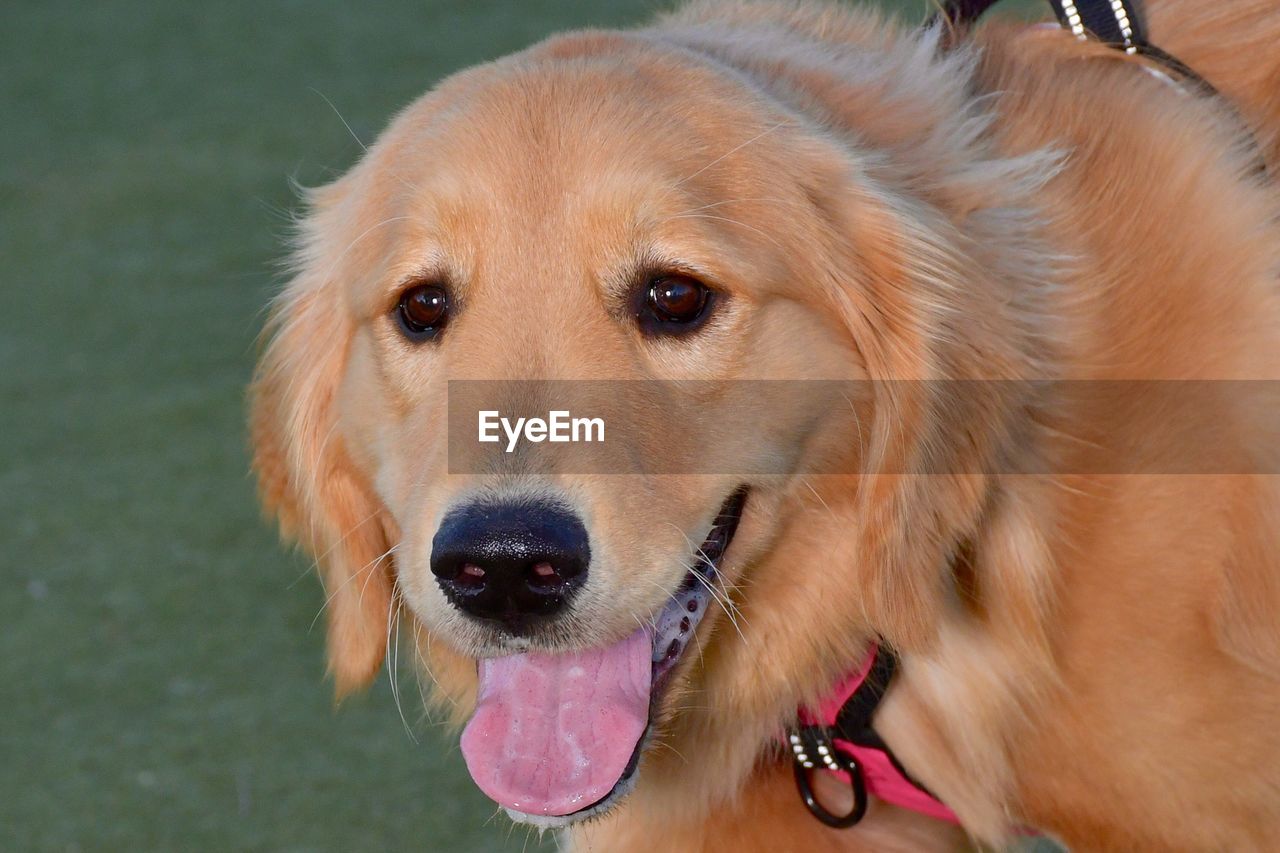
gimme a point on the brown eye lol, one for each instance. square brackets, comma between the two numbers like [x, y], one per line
[422, 311]
[673, 303]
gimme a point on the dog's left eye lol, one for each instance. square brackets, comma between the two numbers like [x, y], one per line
[674, 303]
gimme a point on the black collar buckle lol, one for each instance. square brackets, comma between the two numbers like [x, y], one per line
[812, 749]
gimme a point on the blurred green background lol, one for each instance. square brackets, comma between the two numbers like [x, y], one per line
[161, 682]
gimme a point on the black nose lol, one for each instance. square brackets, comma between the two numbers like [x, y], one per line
[510, 563]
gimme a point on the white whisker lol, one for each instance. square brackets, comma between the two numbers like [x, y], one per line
[363, 147]
[721, 598]
[315, 563]
[731, 152]
[766, 235]
[369, 568]
[393, 624]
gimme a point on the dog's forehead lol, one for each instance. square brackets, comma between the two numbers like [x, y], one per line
[541, 138]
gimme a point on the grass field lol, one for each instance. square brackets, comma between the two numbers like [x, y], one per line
[160, 680]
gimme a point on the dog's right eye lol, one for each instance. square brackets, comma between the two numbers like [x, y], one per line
[674, 304]
[422, 311]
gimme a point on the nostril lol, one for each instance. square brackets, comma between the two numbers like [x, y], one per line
[549, 579]
[471, 576]
[544, 574]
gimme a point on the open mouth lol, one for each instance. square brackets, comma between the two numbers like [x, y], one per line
[558, 737]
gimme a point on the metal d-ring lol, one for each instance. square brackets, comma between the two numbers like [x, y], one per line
[810, 749]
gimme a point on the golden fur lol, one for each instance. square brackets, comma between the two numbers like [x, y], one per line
[1105, 663]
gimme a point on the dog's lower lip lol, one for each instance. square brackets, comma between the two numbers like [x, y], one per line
[674, 626]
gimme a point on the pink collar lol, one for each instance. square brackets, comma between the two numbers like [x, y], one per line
[838, 737]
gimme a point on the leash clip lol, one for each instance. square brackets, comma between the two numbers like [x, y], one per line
[812, 749]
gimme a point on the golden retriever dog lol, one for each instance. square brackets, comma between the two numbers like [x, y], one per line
[1081, 586]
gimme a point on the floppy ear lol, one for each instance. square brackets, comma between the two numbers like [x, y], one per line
[306, 478]
[948, 409]
[931, 438]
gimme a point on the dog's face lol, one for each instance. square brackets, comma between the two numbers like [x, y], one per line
[561, 216]
[539, 230]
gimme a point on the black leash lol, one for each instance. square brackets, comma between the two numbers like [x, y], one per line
[1117, 23]
[1120, 24]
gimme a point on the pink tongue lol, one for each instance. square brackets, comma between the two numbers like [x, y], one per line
[552, 734]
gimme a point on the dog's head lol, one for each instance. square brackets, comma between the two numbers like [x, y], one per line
[620, 213]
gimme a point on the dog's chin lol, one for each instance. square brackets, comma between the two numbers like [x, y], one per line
[671, 633]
